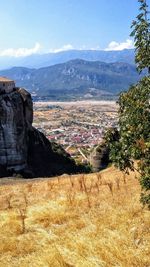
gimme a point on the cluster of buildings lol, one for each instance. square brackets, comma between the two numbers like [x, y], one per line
[77, 127]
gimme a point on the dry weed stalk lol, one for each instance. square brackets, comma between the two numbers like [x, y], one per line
[8, 199]
[83, 188]
[97, 187]
[23, 213]
[23, 216]
[118, 183]
[25, 199]
[58, 179]
[91, 185]
[110, 185]
[94, 185]
[88, 199]
[29, 187]
[124, 178]
[50, 185]
[71, 197]
[86, 190]
[125, 181]
[80, 184]
[99, 178]
[84, 183]
[71, 181]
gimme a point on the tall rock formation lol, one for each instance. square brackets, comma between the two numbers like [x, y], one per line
[23, 149]
[99, 158]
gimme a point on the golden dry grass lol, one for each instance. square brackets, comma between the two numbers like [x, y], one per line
[92, 220]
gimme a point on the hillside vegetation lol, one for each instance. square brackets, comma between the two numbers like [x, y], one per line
[75, 78]
[81, 220]
[49, 59]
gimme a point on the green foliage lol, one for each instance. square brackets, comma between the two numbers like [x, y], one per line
[141, 33]
[84, 168]
[145, 182]
[134, 119]
[145, 199]
[132, 141]
[133, 138]
[119, 153]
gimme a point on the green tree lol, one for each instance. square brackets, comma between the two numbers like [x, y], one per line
[141, 34]
[133, 136]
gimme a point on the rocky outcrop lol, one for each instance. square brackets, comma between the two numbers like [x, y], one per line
[13, 132]
[23, 149]
[99, 158]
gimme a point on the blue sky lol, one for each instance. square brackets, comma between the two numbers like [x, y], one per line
[39, 26]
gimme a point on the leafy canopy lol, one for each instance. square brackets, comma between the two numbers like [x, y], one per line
[132, 140]
[141, 34]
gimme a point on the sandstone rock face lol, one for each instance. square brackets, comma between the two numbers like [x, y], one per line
[13, 141]
[99, 158]
[23, 149]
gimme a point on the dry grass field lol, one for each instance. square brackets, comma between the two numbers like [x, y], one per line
[92, 220]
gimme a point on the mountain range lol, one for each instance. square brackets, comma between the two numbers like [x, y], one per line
[49, 59]
[75, 78]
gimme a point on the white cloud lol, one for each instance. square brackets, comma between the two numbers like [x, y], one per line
[84, 47]
[21, 52]
[95, 48]
[128, 44]
[63, 48]
[71, 47]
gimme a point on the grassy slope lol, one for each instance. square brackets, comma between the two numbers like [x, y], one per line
[80, 221]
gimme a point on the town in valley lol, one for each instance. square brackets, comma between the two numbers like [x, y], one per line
[78, 126]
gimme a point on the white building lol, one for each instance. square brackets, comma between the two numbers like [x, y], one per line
[6, 85]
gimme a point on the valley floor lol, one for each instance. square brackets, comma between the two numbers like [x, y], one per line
[93, 220]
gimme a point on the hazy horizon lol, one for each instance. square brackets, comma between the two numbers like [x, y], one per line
[39, 27]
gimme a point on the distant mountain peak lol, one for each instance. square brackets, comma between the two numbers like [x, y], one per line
[75, 78]
[48, 59]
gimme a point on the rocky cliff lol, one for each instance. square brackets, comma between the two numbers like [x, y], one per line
[23, 149]
[99, 158]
